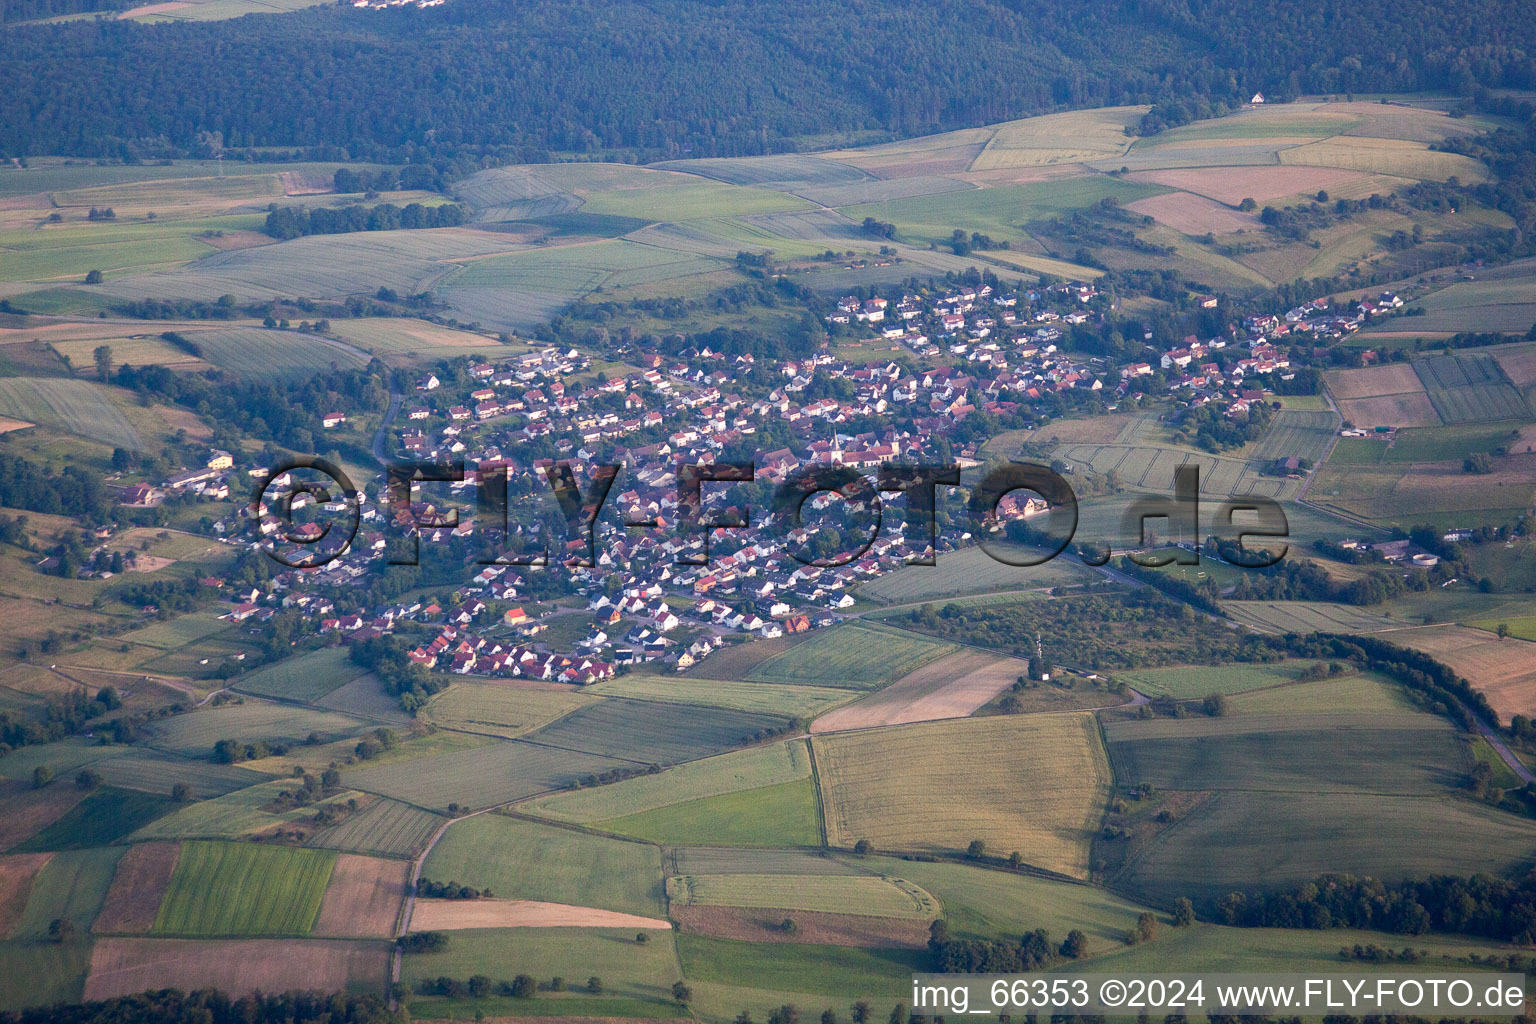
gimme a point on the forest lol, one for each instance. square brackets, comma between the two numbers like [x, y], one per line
[531, 80]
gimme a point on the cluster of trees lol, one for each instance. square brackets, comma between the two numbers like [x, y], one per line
[524, 986]
[1495, 908]
[388, 179]
[734, 78]
[73, 492]
[210, 1006]
[295, 222]
[450, 890]
[62, 716]
[385, 657]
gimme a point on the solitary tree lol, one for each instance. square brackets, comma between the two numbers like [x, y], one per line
[1075, 946]
[863, 847]
[859, 1011]
[103, 354]
[41, 776]
[976, 850]
[682, 993]
[1183, 912]
[1146, 927]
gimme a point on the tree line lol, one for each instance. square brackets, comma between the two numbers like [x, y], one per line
[295, 222]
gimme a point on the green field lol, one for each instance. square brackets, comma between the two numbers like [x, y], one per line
[1405, 753]
[636, 977]
[196, 732]
[385, 828]
[1188, 682]
[729, 976]
[854, 655]
[1241, 840]
[520, 859]
[749, 769]
[258, 354]
[648, 732]
[500, 709]
[104, 817]
[1306, 617]
[73, 406]
[1002, 211]
[307, 677]
[800, 701]
[42, 973]
[1521, 626]
[231, 889]
[176, 632]
[227, 817]
[969, 570]
[73, 885]
[876, 896]
[486, 775]
[1350, 693]
[781, 815]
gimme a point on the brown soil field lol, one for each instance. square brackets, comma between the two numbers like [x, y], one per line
[754, 924]
[137, 889]
[300, 183]
[1406, 410]
[363, 898]
[24, 811]
[1021, 175]
[1518, 363]
[7, 424]
[1231, 185]
[1194, 215]
[952, 687]
[17, 872]
[1388, 379]
[450, 915]
[1504, 671]
[35, 201]
[121, 967]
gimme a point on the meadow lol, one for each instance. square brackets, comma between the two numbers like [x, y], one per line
[1306, 617]
[968, 570]
[1364, 693]
[105, 816]
[647, 732]
[196, 732]
[878, 896]
[307, 677]
[754, 768]
[785, 814]
[1032, 784]
[484, 776]
[520, 859]
[236, 814]
[854, 655]
[636, 977]
[1190, 682]
[1246, 840]
[229, 889]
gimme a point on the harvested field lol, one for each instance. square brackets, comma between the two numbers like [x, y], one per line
[1386, 156]
[647, 732]
[121, 967]
[1035, 784]
[305, 678]
[1194, 215]
[24, 811]
[1386, 379]
[363, 898]
[969, 570]
[785, 814]
[75, 406]
[1231, 185]
[757, 924]
[17, 873]
[508, 709]
[1413, 409]
[143, 875]
[484, 776]
[449, 915]
[1504, 671]
[952, 687]
[1518, 363]
[771, 698]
